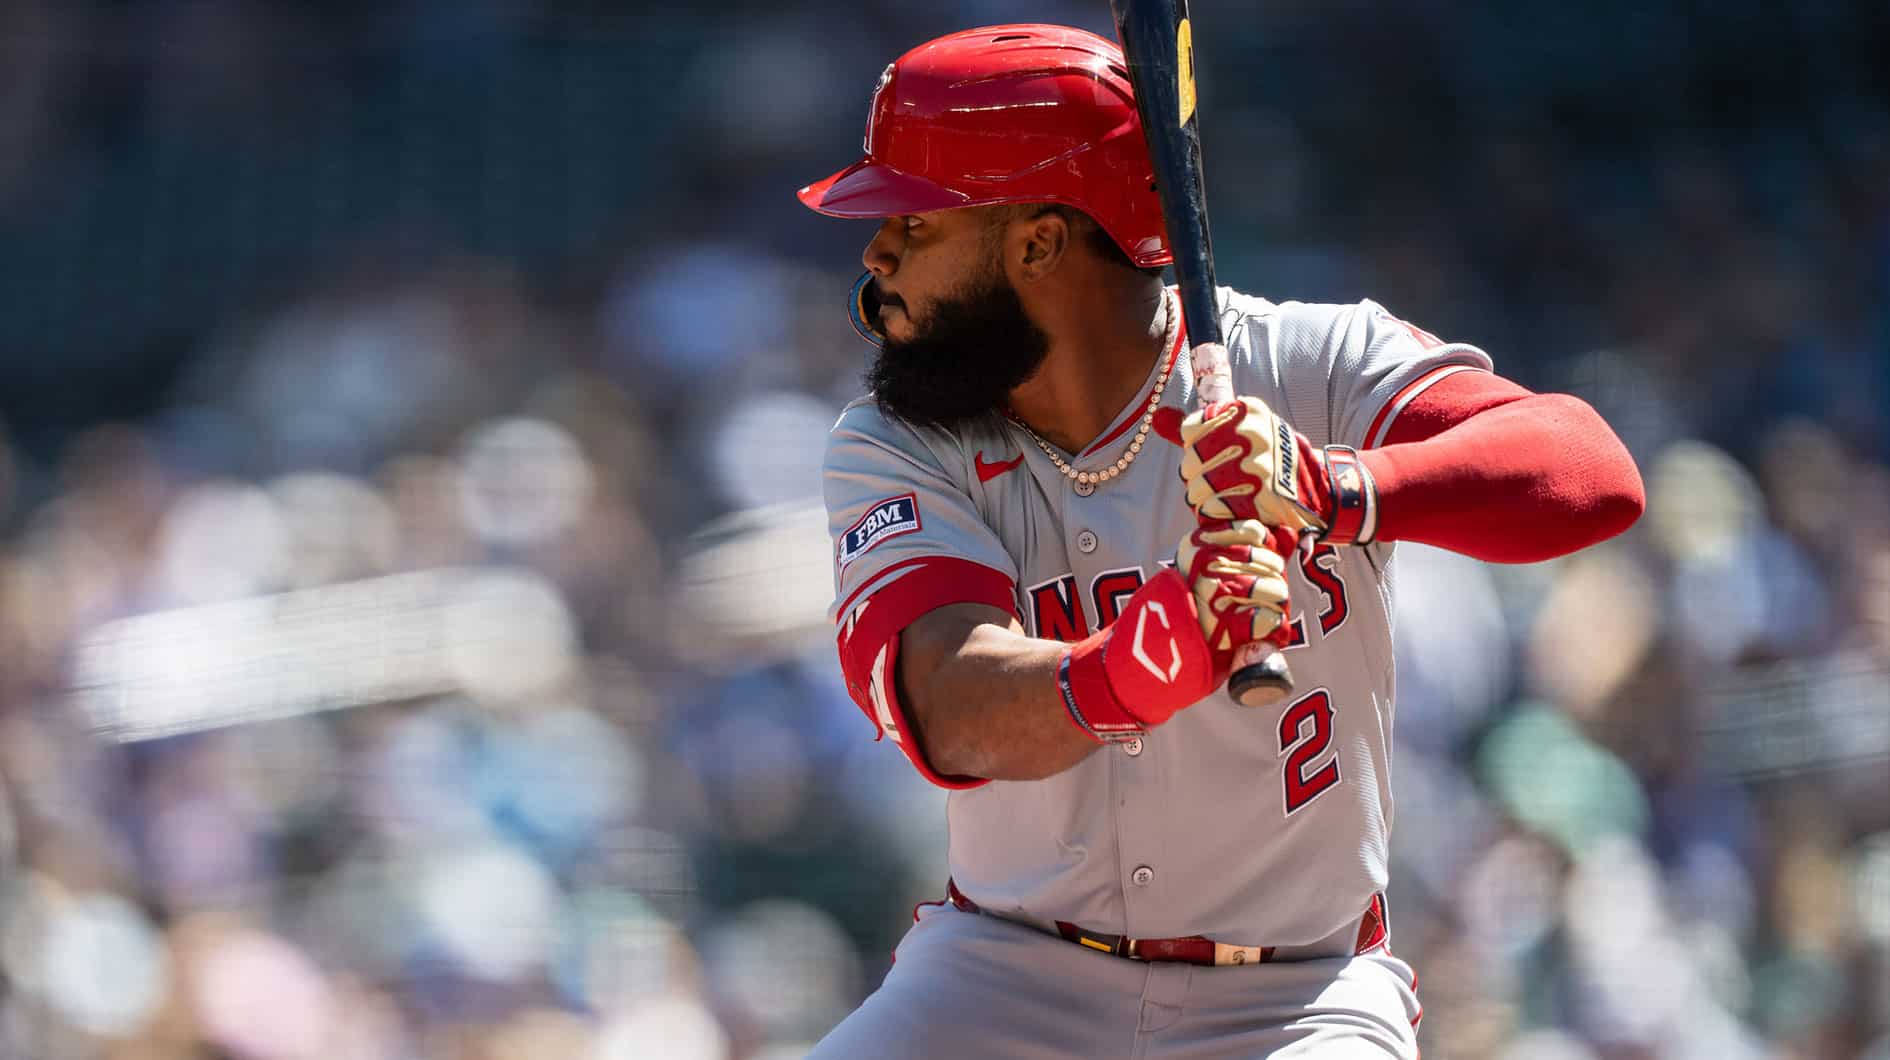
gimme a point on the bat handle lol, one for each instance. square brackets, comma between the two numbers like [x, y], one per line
[1213, 373]
[1260, 676]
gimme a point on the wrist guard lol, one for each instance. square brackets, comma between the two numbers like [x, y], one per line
[1353, 518]
[1124, 680]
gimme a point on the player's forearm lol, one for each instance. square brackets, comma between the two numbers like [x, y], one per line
[985, 701]
[1530, 479]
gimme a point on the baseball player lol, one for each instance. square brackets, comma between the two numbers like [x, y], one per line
[1043, 568]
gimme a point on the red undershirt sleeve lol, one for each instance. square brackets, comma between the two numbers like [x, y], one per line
[1479, 465]
[868, 641]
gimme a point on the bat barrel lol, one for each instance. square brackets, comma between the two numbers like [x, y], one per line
[1157, 43]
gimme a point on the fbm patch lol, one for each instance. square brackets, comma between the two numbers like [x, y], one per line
[888, 518]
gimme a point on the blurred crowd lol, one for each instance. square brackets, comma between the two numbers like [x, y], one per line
[413, 583]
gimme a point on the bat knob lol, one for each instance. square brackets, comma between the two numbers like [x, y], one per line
[1261, 683]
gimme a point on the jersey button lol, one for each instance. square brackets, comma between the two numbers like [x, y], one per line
[1084, 489]
[1086, 542]
[1142, 876]
[1132, 747]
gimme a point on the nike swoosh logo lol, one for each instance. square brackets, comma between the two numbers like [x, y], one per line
[988, 471]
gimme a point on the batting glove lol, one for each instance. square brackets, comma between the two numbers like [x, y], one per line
[1240, 461]
[1237, 572]
[1174, 641]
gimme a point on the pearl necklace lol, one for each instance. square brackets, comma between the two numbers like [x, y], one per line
[1095, 478]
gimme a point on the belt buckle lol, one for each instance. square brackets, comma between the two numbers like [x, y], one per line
[1225, 954]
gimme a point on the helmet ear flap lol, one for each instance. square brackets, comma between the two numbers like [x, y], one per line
[863, 309]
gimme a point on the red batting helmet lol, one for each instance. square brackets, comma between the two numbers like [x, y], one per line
[1024, 113]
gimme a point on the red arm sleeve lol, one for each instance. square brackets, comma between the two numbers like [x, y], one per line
[1479, 465]
[868, 639]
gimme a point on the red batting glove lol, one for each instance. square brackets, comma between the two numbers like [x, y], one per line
[1161, 654]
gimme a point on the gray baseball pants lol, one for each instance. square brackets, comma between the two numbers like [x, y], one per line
[967, 985]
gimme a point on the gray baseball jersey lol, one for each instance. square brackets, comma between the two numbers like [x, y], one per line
[1252, 827]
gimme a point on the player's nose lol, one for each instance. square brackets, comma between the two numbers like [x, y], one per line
[879, 257]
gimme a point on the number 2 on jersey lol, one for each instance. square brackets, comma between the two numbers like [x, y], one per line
[1305, 735]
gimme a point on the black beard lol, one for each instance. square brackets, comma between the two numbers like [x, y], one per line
[976, 348]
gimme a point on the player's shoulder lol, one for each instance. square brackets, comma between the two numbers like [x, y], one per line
[1321, 332]
[866, 431]
[1282, 338]
[865, 418]
[1329, 320]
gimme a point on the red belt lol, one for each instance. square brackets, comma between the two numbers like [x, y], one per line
[1191, 949]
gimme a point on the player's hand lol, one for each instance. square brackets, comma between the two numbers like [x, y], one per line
[1136, 672]
[1241, 461]
[1174, 641]
[1237, 573]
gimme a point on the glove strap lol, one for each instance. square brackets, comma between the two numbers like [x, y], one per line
[1080, 676]
[1354, 498]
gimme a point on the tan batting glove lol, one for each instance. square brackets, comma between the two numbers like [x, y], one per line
[1241, 461]
[1237, 572]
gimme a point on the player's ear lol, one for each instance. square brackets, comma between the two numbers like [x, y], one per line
[1040, 239]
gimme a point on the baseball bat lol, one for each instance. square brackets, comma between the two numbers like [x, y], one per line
[1158, 42]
